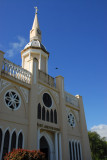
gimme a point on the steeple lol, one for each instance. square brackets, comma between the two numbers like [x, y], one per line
[35, 33]
[35, 49]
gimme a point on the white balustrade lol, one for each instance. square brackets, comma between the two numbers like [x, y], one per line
[71, 99]
[16, 71]
[46, 78]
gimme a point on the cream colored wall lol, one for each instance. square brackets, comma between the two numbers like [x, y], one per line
[17, 127]
[14, 119]
[26, 63]
[43, 64]
[22, 112]
[25, 117]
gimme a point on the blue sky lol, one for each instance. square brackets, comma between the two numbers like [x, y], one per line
[75, 34]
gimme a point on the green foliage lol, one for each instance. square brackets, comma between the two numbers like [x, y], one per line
[98, 146]
[22, 154]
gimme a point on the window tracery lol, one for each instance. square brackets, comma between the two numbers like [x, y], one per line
[12, 99]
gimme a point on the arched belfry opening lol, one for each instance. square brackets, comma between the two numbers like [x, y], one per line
[44, 147]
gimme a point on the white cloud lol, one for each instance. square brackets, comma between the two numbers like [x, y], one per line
[100, 129]
[16, 47]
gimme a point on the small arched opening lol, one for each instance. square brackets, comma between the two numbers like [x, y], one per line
[44, 147]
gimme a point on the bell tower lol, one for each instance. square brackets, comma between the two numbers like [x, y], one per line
[35, 49]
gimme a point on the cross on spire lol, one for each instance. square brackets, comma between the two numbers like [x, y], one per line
[36, 10]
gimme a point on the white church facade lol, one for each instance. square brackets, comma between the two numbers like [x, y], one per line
[35, 110]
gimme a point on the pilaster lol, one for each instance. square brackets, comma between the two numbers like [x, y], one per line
[62, 117]
[32, 129]
[86, 152]
[56, 146]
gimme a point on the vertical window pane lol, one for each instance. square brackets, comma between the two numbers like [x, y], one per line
[55, 116]
[51, 115]
[70, 150]
[20, 140]
[0, 139]
[6, 143]
[39, 111]
[43, 113]
[79, 151]
[76, 151]
[73, 150]
[47, 116]
[13, 141]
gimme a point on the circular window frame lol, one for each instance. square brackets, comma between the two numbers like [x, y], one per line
[11, 90]
[51, 100]
[70, 120]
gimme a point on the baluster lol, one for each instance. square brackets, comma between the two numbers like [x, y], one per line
[29, 79]
[16, 72]
[10, 69]
[6, 68]
[13, 70]
[26, 77]
[3, 65]
[19, 74]
[22, 76]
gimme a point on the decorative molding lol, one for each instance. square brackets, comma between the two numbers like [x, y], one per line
[77, 115]
[41, 88]
[25, 93]
[12, 99]
[4, 84]
[55, 94]
[71, 99]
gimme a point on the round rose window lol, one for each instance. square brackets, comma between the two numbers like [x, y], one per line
[71, 119]
[47, 100]
[12, 99]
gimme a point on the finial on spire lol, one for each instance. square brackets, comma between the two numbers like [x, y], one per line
[35, 33]
[36, 10]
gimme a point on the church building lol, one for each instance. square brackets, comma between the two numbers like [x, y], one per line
[35, 110]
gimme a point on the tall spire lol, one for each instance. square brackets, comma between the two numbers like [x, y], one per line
[35, 33]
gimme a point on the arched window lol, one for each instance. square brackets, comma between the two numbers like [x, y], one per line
[6, 143]
[47, 116]
[43, 113]
[13, 141]
[76, 150]
[55, 116]
[51, 115]
[39, 111]
[20, 140]
[73, 151]
[0, 139]
[70, 150]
